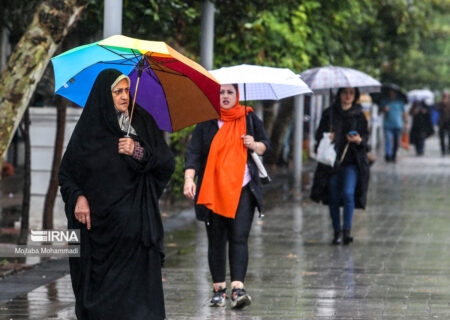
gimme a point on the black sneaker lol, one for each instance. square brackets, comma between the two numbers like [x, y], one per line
[240, 298]
[219, 298]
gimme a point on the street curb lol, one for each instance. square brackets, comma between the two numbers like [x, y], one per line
[24, 282]
[43, 273]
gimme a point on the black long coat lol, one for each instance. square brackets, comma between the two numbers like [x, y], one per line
[422, 126]
[198, 151]
[341, 122]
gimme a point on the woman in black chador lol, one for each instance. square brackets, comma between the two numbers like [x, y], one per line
[111, 186]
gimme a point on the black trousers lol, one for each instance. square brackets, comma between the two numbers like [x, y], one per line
[221, 230]
[443, 132]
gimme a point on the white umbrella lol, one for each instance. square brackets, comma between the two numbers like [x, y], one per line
[421, 95]
[262, 83]
[322, 79]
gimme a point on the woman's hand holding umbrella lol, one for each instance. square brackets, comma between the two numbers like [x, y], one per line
[126, 146]
[250, 143]
[83, 211]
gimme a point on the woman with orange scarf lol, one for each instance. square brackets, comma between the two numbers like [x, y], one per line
[228, 189]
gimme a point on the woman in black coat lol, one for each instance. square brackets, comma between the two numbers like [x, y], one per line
[111, 185]
[422, 126]
[228, 189]
[346, 183]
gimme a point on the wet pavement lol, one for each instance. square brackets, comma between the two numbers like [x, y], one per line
[397, 268]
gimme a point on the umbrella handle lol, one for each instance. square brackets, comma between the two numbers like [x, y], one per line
[141, 66]
[248, 119]
[245, 105]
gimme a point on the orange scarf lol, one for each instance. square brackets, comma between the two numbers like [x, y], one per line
[225, 168]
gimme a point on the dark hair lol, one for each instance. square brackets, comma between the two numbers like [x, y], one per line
[235, 85]
[337, 100]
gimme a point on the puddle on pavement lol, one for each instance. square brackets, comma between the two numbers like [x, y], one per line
[51, 301]
[55, 300]
[396, 268]
[8, 218]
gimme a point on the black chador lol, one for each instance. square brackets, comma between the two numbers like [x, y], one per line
[118, 275]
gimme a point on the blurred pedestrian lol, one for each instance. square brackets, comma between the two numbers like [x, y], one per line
[111, 185]
[444, 122]
[7, 169]
[346, 183]
[395, 120]
[422, 126]
[228, 191]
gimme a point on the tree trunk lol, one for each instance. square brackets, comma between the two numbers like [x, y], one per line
[280, 127]
[47, 219]
[51, 22]
[25, 130]
[269, 115]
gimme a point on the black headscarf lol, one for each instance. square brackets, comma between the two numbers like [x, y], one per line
[344, 121]
[337, 100]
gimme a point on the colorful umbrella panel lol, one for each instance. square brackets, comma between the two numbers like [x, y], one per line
[175, 90]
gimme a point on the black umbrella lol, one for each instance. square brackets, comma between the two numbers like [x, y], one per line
[378, 97]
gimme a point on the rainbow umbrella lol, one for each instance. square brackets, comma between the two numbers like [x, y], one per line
[175, 90]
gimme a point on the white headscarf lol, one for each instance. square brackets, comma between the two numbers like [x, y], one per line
[123, 117]
[119, 78]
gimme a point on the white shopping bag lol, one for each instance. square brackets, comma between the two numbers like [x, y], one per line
[326, 153]
[263, 175]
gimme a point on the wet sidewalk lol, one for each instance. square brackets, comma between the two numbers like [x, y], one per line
[397, 268]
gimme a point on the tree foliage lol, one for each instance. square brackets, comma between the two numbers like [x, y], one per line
[390, 40]
[14, 15]
[50, 24]
[401, 41]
